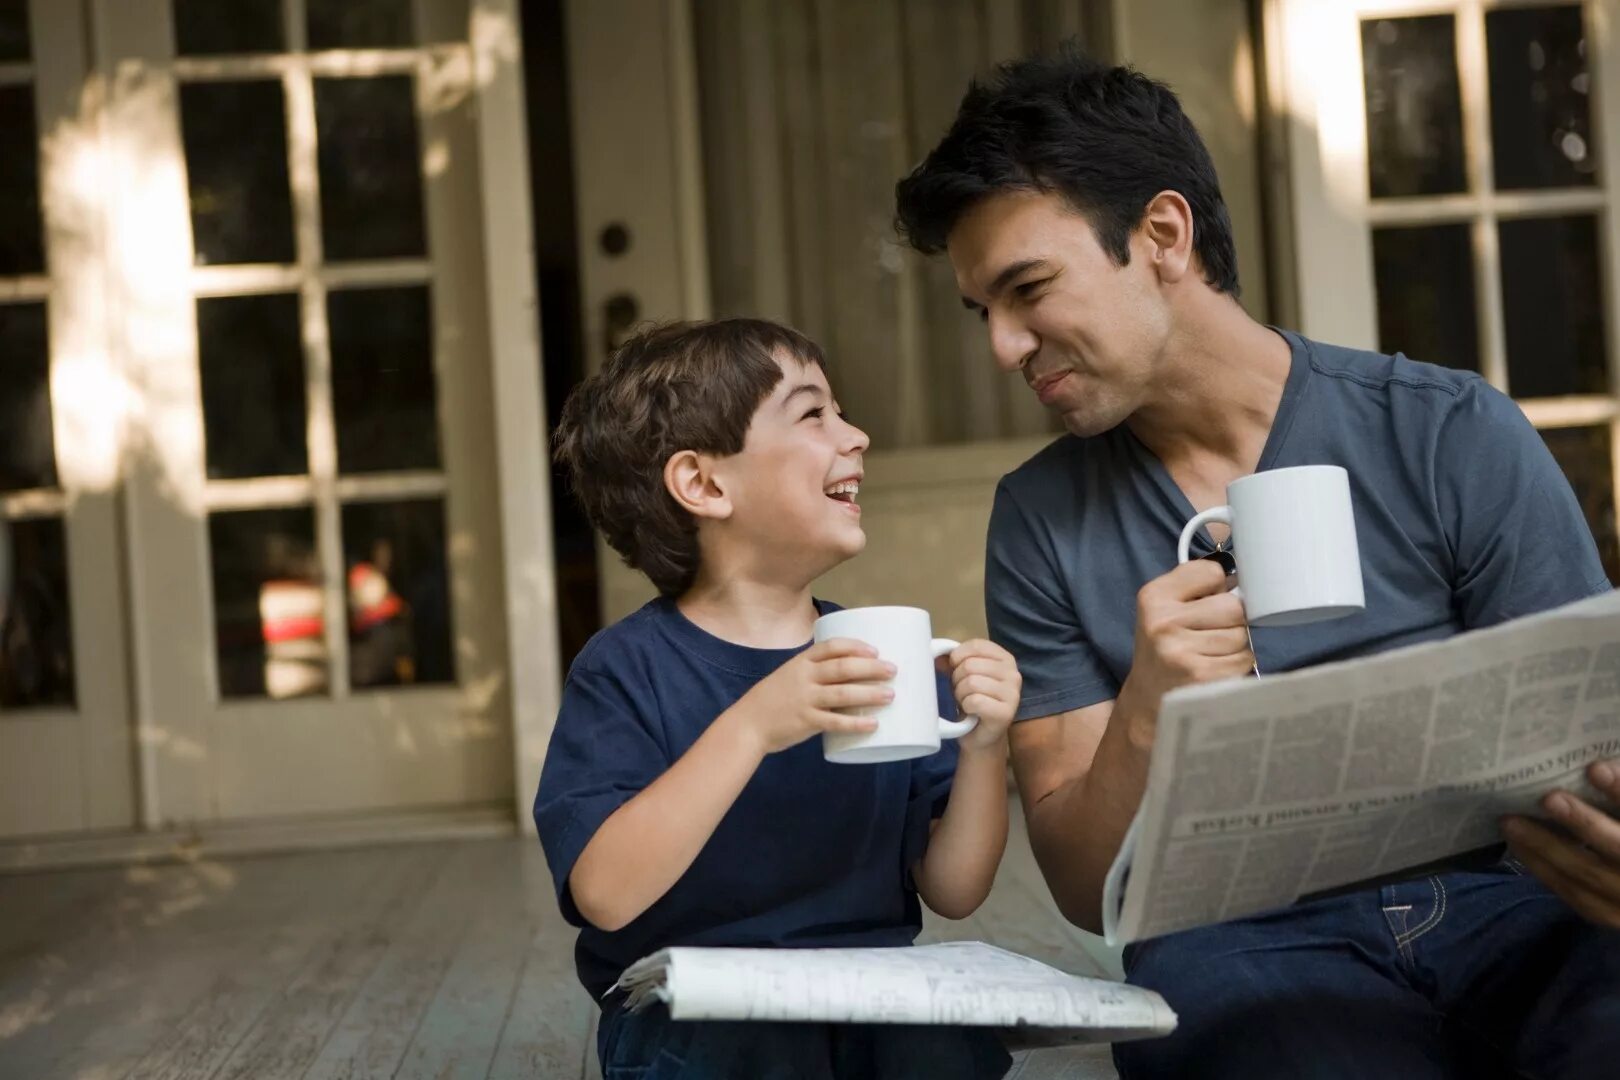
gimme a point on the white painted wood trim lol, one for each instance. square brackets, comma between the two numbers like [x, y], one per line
[1570, 411]
[26, 287]
[1433, 209]
[689, 187]
[1603, 60]
[521, 437]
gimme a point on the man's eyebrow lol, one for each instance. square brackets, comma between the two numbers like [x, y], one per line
[803, 388]
[1006, 278]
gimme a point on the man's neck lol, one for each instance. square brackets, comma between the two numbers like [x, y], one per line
[747, 611]
[1221, 382]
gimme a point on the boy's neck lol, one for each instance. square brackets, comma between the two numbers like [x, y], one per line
[760, 615]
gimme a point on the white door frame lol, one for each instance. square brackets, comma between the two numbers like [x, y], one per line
[526, 589]
[65, 770]
[637, 162]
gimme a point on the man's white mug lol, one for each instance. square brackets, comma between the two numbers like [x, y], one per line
[1294, 542]
[909, 726]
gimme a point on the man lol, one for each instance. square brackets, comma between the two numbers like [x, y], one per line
[1082, 216]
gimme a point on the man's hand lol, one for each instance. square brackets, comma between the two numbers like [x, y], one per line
[798, 699]
[1189, 629]
[1582, 866]
[986, 683]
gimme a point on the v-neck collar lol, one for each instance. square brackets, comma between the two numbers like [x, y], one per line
[1299, 370]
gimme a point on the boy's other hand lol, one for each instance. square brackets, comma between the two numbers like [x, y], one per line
[798, 699]
[986, 683]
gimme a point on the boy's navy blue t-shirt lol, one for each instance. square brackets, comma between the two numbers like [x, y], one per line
[810, 855]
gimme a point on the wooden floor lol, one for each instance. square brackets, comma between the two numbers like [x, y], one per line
[412, 960]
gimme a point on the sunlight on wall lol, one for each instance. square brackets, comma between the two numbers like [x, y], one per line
[1326, 94]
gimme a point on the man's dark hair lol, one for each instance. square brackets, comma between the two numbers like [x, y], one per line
[1106, 139]
[679, 386]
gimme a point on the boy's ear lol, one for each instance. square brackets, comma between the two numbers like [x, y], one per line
[690, 480]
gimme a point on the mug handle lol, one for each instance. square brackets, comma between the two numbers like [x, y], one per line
[1221, 514]
[951, 729]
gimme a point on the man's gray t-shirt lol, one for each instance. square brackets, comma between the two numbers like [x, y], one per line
[1462, 515]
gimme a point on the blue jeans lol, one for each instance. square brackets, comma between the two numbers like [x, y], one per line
[651, 1046]
[1456, 975]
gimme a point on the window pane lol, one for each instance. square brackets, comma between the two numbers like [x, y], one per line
[36, 635]
[269, 623]
[13, 30]
[1414, 109]
[399, 595]
[211, 27]
[383, 395]
[1584, 453]
[252, 361]
[1552, 303]
[359, 24]
[1541, 132]
[27, 450]
[1424, 278]
[236, 157]
[22, 248]
[371, 176]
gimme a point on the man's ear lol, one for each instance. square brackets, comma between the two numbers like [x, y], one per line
[690, 479]
[1167, 224]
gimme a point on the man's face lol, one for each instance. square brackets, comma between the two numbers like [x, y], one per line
[793, 486]
[1085, 332]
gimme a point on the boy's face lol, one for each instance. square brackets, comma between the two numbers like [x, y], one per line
[793, 485]
[1084, 331]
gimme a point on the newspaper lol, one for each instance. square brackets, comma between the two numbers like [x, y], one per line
[1260, 792]
[961, 983]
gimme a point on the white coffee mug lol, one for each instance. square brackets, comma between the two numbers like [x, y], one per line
[1294, 542]
[909, 726]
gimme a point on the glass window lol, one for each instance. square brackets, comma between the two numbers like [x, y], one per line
[1414, 106]
[252, 368]
[269, 608]
[383, 396]
[1552, 302]
[1586, 456]
[212, 27]
[22, 245]
[27, 450]
[1541, 127]
[1424, 278]
[360, 24]
[235, 136]
[370, 168]
[398, 593]
[36, 633]
[14, 31]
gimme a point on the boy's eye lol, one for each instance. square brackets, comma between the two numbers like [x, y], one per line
[816, 412]
[1029, 288]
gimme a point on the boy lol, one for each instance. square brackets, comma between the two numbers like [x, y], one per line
[685, 800]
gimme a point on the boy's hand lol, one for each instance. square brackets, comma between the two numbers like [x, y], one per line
[986, 682]
[797, 700]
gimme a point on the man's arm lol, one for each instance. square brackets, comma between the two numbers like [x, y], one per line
[1081, 774]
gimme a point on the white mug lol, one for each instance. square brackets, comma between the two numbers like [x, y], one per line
[1294, 541]
[909, 726]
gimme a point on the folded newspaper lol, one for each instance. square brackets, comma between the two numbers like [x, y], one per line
[1261, 792]
[961, 983]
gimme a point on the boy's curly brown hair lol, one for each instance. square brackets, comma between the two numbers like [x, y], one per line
[673, 387]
